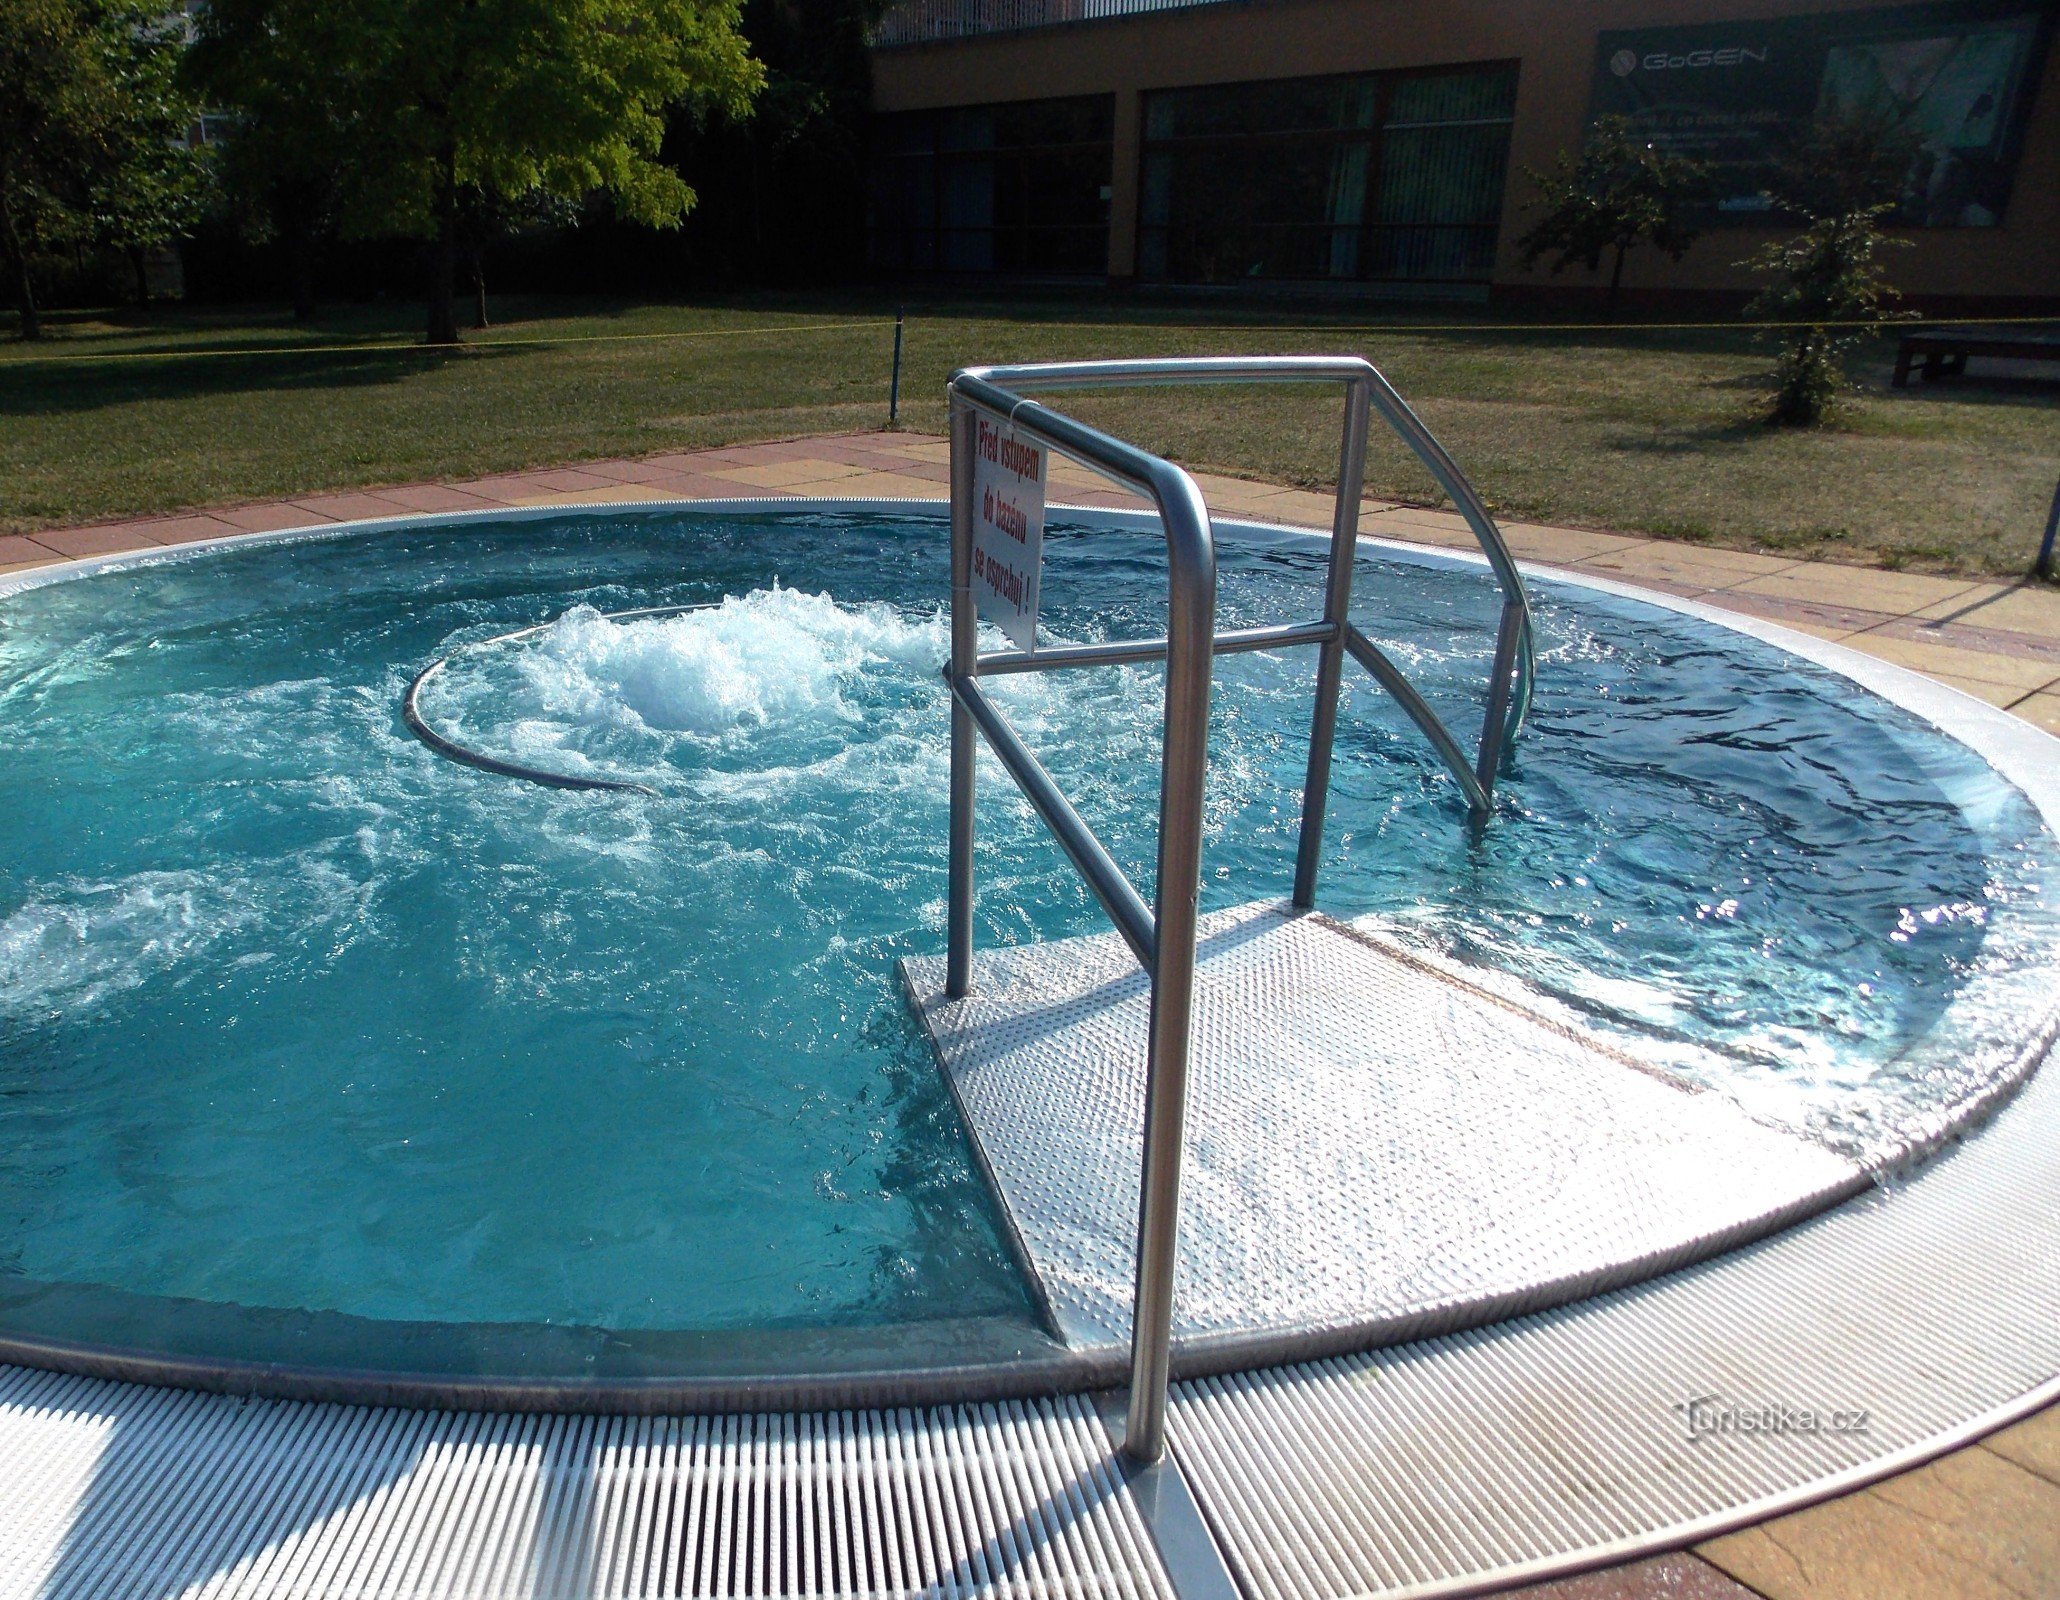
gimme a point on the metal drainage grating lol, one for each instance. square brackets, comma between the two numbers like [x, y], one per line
[118, 1491]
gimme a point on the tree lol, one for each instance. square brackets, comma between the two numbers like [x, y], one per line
[54, 104]
[272, 70]
[1843, 178]
[149, 180]
[1846, 163]
[1619, 194]
[93, 126]
[777, 182]
[457, 104]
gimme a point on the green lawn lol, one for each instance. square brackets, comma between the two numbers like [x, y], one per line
[1637, 429]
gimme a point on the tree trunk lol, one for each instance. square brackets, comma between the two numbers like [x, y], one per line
[443, 272]
[479, 288]
[139, 263]
[24, 287]
[301, 259]
[1616, 281]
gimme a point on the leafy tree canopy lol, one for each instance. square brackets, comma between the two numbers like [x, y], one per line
[1621, 192]
[434, 106]
[55, 102]
[150, 179]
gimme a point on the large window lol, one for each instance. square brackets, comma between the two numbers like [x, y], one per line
[1394, 176]
[1008, 188]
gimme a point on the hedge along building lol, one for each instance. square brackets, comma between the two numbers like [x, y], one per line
[1379, 146]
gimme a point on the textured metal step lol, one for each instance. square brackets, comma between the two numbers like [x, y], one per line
[1372, 1144]
[1931, 1308]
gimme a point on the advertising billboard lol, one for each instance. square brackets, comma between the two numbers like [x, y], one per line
[1955, 79]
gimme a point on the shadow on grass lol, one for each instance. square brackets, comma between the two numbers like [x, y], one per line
[66, 384]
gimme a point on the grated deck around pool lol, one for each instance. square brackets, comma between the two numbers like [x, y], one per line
[1375, 1149]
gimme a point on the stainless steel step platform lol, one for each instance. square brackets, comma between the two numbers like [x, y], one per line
[1376, 1150]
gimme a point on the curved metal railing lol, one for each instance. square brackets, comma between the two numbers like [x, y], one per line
[413, 718]
[1163, 937]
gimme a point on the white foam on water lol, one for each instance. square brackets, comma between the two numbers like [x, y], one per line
[768, 656]
[73, 946]
[79, 948]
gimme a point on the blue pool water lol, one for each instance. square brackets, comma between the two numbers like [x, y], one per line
[295, 1014]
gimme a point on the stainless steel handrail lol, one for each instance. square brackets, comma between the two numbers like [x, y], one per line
[1163, 938]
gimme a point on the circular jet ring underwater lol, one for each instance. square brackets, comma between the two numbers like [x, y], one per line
[465, 755]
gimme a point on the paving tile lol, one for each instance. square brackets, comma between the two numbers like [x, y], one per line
[882, 486]
[274, 515]
[358, 507]
[626, 493]
[673, 461]
[2042, 710]
[1673, 1577]
[17, 563]
[1454, 535]
[1996, 641]
[566, 479]
[1827, 621]
[1897, 593]
[1264, 502]
[2034, 1443]
[615, 469]
[101, 541]
[186, 530]
[1108, 496]
[1534, 541]
[694, 486]
[498, 490]
[2023, 674]
[1684, 564]
[1428, 517]
[787, 474]
[785, 449]
[867, 449]
[1970, 1526]
[918, 447]
[436, 497]
[2021, 608]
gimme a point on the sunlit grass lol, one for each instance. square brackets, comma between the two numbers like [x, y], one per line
[1638, 429]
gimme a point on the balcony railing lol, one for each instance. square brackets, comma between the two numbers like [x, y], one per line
[924, 21]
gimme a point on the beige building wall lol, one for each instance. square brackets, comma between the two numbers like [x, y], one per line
[2018, 261]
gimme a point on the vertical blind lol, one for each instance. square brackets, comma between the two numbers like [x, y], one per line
[1380, 176]
[1021, 188]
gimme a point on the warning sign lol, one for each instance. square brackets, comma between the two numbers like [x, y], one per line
[1008, 529]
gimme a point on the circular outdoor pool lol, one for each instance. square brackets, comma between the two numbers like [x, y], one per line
[318, 1050]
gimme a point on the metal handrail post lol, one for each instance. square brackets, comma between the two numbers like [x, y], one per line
[1330, 660]
[1512, 704]
[965, 663]
[1510, 633]
[1190, 632]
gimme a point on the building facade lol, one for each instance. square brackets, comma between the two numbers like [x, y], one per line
[1381, 146]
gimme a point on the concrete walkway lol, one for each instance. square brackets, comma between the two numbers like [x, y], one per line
[1983, 1522]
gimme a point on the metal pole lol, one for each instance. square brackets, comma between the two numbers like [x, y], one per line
[1507, 637]
[1190, 631]
[894, 384]
[1330, 663]
[2044, 565]
[965, 663]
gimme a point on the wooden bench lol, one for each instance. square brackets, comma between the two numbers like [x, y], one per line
[1944, 351]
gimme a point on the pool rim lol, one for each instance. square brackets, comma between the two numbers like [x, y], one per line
[2024, 755]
